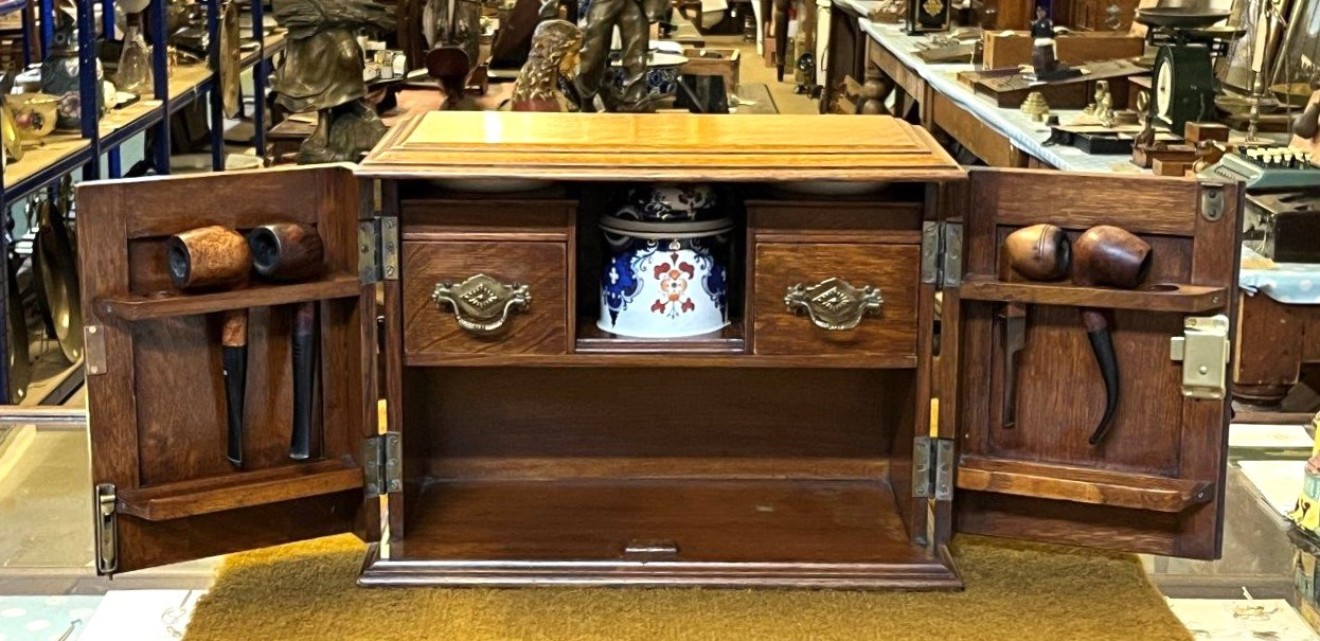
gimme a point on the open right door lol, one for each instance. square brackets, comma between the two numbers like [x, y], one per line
[1029, 389]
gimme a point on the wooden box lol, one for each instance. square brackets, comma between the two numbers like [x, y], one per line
[798, 447]
[1013, 49]
[713, 62]
[1009, 87]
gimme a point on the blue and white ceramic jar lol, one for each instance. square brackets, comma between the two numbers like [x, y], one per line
[666, 271]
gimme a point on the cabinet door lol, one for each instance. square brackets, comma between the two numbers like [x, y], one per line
[1024, 418]
[165, 488]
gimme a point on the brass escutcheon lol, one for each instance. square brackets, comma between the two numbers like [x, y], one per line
[481, 304]
[833, 304]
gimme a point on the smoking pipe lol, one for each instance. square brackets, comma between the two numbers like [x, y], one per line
[292, 252]
[1038, 252]
[1107, 256]
[217, 258]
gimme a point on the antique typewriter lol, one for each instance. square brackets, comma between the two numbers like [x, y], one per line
[1267, 169]
[1283, 201]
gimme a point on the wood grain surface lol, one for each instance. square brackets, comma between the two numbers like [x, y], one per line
[158, 419]
[615, 147]
[541, 328]
[892, 268]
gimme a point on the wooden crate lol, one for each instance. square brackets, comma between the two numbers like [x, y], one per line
[1011, 49]
[713, 62]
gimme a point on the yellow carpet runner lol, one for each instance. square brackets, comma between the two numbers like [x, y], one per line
[1015, 592]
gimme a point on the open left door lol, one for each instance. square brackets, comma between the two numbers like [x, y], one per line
[1030, 393]
[165, 487]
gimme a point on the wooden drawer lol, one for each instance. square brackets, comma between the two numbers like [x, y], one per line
[539, 328]
[891, 331]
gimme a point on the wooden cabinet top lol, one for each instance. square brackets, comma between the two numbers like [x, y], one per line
[659, 147]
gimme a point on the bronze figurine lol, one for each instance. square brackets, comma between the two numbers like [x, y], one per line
[322, 72]
[553, 59]
[633, 19]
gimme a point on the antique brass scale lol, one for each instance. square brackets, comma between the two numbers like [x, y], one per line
[1183, 88]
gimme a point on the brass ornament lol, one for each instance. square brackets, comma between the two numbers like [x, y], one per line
[834, 304]
[482, 305]
[933, 7]
[1035, 106]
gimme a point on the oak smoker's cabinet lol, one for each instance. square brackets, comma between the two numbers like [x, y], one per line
[786, 450]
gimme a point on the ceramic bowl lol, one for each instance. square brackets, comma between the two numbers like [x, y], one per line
[34, 114]
[665, 280]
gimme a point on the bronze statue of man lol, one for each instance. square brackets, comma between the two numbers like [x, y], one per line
[633, 19]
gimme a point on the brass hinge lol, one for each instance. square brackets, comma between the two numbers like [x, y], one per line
[930, 252]
[94, 349]
[382, 464]
[1212, 199]
[1204, 350]
[107, 528]
[932, 468]
[378, 249]
[951, 262]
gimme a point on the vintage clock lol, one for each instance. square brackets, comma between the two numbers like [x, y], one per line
[1183, 86]
[523, 445]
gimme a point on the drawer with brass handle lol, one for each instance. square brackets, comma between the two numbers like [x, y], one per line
[836, 299]
[463, 297]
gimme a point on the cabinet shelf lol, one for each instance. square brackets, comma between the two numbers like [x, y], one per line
[594, 340]
[139, 307]
[239, 490]
[1155, 298]
[1082, 485]
[767, 533]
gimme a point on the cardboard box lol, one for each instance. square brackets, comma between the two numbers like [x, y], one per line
[1013, 48]
[713, 62]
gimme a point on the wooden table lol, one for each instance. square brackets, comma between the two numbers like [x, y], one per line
[1274, 339]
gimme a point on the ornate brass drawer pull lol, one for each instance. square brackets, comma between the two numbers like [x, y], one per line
[834, 304]
[481, 304]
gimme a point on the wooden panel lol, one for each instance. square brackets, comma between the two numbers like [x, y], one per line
[892, 268]
[572, 415]
[447, 219]
[1081, 485]
[542, 328]
[1155, 484]
[1140, 204]
[617, 147]
[978, 137]
[731, 521]
[826, 217]
[1160, 298]
[889, 64]
[158, 415]
[1269, 349]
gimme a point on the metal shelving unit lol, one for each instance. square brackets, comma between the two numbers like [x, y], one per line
[62, 154]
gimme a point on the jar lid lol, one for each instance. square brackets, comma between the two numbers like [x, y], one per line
[661, 230]
[669, 202]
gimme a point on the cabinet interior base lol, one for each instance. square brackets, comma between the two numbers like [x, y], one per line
[671, 532]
